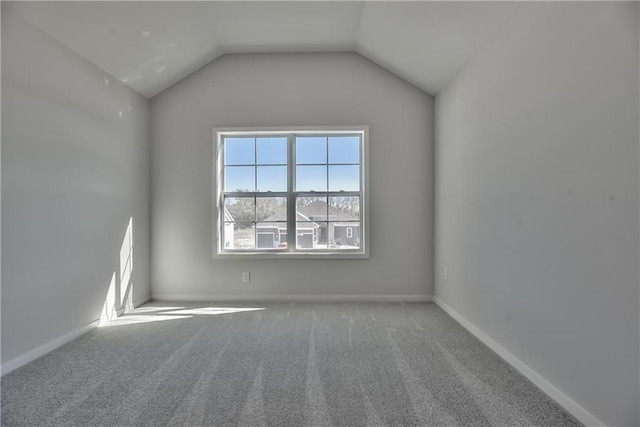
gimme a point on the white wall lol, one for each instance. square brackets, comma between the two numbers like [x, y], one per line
[73, 173]
[292, 90]
[537, 189]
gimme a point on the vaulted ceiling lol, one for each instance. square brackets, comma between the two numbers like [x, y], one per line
[151, 45]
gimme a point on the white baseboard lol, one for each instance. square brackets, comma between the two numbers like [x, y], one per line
[142, 301]
[562, 399]
[301, 298]
[46, 348]
[121, 310]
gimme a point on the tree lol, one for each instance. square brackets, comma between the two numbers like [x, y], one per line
[301, 202]
[347, 204]
[246, 210]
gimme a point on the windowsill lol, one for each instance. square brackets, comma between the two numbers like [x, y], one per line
[291, 255]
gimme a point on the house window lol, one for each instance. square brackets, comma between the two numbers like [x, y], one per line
[291, 192]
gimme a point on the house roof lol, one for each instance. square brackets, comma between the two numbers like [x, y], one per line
[315, 212]
[227, 215]
[151, 45]
[281, 216]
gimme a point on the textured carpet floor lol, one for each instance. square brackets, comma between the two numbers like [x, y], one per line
[286, 364]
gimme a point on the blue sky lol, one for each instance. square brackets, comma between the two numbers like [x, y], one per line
[271, 156]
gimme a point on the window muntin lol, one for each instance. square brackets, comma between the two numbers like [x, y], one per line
[291, 192]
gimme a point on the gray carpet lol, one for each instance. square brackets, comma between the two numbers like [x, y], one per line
[285, 364]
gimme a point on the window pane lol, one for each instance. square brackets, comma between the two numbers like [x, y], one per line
[310, 235]
[239, 178]
[271, 209]
[272, 151]
[344, 235]
[345, 178]
[311, 178]
[241, 209]
[244, 235]
[323, 180]
[312, 208]
[344, 208]
[272, 178]
[344, 149]
[239, 151]
[311, 150]
[271, 235]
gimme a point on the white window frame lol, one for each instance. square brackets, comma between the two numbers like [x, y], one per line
[219, 252]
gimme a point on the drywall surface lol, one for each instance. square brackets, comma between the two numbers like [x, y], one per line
[292, 90]
[537, 199]
[75, 171]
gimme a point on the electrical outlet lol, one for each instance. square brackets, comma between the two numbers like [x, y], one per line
[446, 274]
[246, 277]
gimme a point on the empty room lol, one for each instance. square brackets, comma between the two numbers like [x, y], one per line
[320, 213]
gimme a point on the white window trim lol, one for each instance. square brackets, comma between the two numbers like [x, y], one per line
[218, 250]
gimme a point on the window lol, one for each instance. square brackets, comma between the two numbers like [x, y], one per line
[291, 192]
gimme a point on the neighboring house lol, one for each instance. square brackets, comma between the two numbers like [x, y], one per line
[341, 230]
[228, 229]
[272, 233]
[317, 225]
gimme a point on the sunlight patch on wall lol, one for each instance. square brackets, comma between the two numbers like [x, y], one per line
[109, 307]
[119, 297]
[126, 262]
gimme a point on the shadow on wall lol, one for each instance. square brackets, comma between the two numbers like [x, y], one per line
[119, 297]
